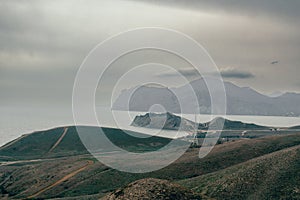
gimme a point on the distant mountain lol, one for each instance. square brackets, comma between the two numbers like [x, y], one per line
[166, 121]
[240, 100]
[170, 121]
[142, 98]
[275, 94]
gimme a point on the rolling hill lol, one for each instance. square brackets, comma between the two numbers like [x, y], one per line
[40, 144]
[295, 128]
[81, 176]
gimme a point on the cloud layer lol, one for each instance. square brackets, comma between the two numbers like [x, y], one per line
[227, 73]
[43, 43]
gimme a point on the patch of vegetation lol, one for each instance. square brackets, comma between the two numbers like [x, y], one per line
[99, 179]
[37, 145]
[273, 176]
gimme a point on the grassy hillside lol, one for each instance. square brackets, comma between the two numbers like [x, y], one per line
[273, 176]
[24, 179]
[39, 144]
[233, 125]
[295, 127]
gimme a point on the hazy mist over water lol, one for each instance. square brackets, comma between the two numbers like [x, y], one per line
[15, 121]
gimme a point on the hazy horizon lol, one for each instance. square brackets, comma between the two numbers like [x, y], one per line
[44, 43]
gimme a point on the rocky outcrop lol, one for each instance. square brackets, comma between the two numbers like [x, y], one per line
[151, 188]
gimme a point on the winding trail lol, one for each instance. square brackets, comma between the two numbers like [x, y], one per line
[23, 161]
[59, 139]
[68, 176]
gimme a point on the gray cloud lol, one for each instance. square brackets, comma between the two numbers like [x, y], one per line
[236, 73]
[184, 72]
[230, 73]
[44, 42]
[287, 10]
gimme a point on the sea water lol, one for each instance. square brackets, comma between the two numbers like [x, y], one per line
[15, 121]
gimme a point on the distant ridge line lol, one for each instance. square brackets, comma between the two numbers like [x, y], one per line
[13, 141]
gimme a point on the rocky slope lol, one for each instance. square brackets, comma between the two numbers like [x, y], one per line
[170, 121]
[272, 176]
[153, 189]
[166, 121]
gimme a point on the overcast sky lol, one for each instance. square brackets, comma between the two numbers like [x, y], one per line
[43, 43]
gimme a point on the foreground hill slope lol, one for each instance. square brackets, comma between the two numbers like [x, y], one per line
[153, 189]
[39, 178]
[273, 176]
[54, 163]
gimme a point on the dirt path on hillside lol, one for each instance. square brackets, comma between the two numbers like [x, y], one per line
[59, 140]
[23, 161]
[89, 162]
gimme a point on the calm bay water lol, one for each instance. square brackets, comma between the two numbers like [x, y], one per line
[15, 121]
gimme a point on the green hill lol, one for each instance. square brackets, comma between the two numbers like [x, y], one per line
[233, 125]
[40, 144]
[295, 127]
